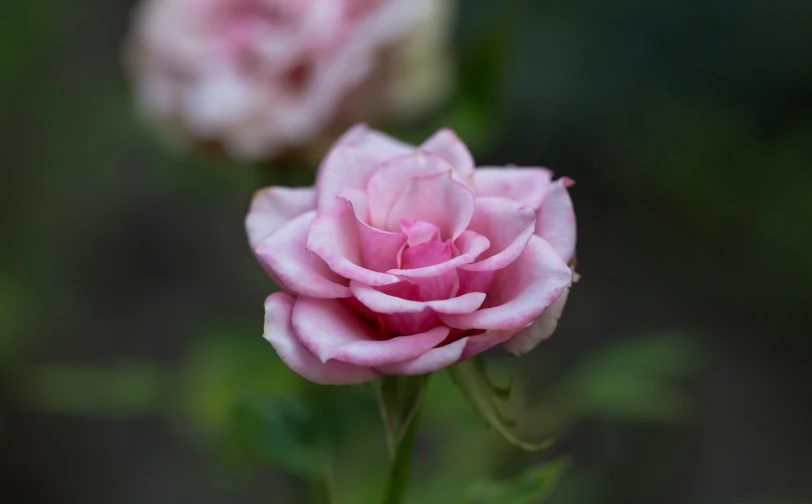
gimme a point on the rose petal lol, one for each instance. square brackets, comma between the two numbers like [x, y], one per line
[272, 207]
[279, 333]
[419, 231]
[556, 219]
[470, 244]
[295, 268]
[352, 161]
[523, 185]
[335, 238]
[380, 250]
[390, 180]
[508, 225]
[541, 329]
[330, 329]
[520, 292]
[437, 199]
[447, 145]
[380, 302]
[429, 254]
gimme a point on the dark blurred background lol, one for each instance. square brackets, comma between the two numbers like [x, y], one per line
[133, 368]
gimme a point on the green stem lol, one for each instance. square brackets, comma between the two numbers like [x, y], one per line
[401, 465]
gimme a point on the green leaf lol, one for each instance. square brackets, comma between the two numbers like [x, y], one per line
[472, 379]
[399, 398]
[533, 486]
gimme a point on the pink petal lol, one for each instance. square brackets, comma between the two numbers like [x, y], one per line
[419, 231]
[279, 333]
[330, 329]
[437, 199]
[508, 225]
[391, 179]
[380, 250]
[429, 254]
[541, 329]
[410, 323]
[351, 162]
[520, 292]
[475, 281]
[336, 239]
[272, 207]
[470, 244]
[556, 219]
[380, 302]
[447, 355]
[294, 267]
[447, 145]
[524, 185]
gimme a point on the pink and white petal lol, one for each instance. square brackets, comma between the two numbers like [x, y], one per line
[556, 219]
[279, 333]
[524, 185]
[380, 250]
[352, 161]
[411, 323]
[295, 268]
[437, 199]
[381, 302]
[447, 145]
[272, 207]
[447, 355]
[335, 238]
[393, 176]
[331, 330]
[541, 328]
[470, 245]
[431, 361]
[419, 231]
[520, 292]
[508, 225]
[475, 281]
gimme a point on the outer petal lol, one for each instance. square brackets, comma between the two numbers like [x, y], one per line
[279, 332]
[444, 356]
[520, 292]
[508, 225]
[272, 207]
[541, 329]
[298, 270]
[351, 162]
[331, 330]
[380, 302]
[524, 185]
[437, 199]
[470, 245]
[335, 238]
[447, 145]
[393, 176]
[556, 219]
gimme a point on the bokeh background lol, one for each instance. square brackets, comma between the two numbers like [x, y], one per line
[132, 367]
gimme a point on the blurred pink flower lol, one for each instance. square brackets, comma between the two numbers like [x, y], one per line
[405, 260]
[258, 77]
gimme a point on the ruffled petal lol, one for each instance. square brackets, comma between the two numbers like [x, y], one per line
[380, 302]
[295, 268]
[447, 145]
[279, 333]
[419, 231]
[508, 225]
[351, 162]
[331, 330]
[556, 219]
[335, 238]
[390, 180]
[523, 185]
[541, 329]
[437, 199]
[520, 292]
[272, 207]
[470, 245]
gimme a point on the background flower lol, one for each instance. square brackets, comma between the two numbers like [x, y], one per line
[405, 260]
[259, 77]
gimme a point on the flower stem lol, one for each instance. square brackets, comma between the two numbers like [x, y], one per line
[399, 471]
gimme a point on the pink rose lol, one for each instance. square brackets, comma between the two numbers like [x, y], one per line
[405, 260]
[258, 77]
